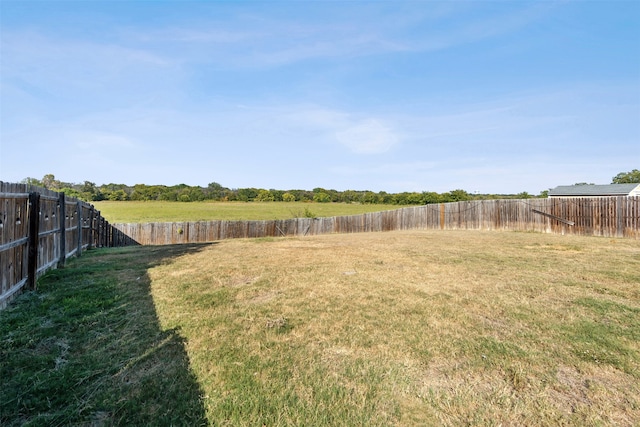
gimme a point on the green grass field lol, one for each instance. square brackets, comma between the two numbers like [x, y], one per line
[130, 212]
[400, 328]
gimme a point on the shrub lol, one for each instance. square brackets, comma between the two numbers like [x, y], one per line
[321, 198]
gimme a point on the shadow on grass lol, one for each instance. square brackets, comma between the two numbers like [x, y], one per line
[87, 348]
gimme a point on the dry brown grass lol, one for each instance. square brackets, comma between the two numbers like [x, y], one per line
[411, 328]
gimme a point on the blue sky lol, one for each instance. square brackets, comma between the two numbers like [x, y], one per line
[493, 97]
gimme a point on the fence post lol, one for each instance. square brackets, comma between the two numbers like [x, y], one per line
[100, 236]
[91, 215]
[79, 207]
[103, 232]
[63, 230]
[34, 231]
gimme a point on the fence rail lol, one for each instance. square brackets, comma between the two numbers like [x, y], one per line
[602, 216]
[39, 230]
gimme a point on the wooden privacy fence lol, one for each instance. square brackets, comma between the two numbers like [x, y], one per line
[604, 216]
[39, 230]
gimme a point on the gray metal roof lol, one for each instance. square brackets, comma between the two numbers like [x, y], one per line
[593, 190]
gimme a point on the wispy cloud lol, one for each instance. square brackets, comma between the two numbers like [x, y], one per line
[190, 35]
[63, 78]
[253, 41]
[22, 50]
[250, 43]
[368, 136]
[479, 27]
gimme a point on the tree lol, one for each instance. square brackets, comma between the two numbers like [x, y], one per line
[72, 192]
[115, 191]
[265, 196]
[349, 196]
[247, 194]
[197, 194]
[632, 177]
[321, 197]
[277, 194]
[370, 198]
[302, 195]
[415, 199]
[90, 192]
[32, 181]
[288, 197]
[117, 195]
[385, 197]
[147, 192]
[431, 197]
[216, 191]
[459, 196]
[50, 182]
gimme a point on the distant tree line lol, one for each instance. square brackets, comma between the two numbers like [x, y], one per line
[89, 191]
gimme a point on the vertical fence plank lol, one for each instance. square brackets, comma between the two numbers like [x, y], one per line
[619, 217]
[90, 230]
[63, 230]
[34, 230]
[79, 210]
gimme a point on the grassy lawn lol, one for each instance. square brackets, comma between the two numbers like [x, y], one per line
[400, 328]
[87, 348]
[129, 212]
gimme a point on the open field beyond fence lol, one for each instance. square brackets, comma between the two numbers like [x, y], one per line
[404, 328]
[159, 211]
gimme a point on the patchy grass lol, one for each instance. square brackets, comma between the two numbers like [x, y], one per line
[154, 211]
[411, 328]
[399, 328]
